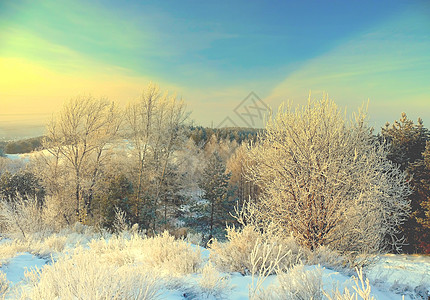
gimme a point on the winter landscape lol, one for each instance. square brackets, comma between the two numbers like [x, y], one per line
[190, 150]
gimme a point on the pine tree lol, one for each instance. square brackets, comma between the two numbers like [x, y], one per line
[407, 148]
[408, 140]
[418, 226]
[210, 214]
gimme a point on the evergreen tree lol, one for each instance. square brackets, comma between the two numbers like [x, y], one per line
[119, 191]
[408, 140]
[210, 214]
[418, 226]
[407, 147]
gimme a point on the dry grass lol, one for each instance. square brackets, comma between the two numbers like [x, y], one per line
[163, 253]
[362, 290]
[117, 268]
[4, 285]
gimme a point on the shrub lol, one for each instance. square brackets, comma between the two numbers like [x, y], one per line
[236, 255]
[84, 275]
[212, 284]
[171, 257]
[298, 283]
[328, 181]
[21, 217]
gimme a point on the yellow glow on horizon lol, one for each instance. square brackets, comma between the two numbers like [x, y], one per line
[29, 87]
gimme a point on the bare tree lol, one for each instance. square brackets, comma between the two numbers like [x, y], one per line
[78, 138]
[327, 180]
[156, 127]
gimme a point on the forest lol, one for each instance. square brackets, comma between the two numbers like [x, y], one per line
[307, 184]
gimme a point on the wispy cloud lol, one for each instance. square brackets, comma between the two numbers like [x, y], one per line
[388, 65]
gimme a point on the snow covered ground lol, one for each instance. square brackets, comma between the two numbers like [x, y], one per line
[392, 277]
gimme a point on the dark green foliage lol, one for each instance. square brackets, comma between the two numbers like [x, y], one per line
[201, 135]
[23, 146]
[210, 214]
[408, 149]
[119, 190]
[171, 198]
[418, 226]
[408, 140]
[24, 183]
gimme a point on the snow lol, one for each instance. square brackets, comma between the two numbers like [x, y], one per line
[391, 277]
[24, 157]
[16, 267]
[405, 274]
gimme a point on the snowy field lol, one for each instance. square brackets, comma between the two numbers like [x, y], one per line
[179, 270]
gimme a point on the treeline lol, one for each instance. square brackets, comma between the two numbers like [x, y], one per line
[143, 162]
[199, 134]
[21, 146]
[146, 164]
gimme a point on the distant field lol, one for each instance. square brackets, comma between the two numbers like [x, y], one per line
[19, 126]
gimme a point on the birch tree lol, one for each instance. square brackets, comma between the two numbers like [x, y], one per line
[327, 181]
[156, 129]
[78, 137]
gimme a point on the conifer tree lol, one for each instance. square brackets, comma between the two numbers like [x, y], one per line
[408, 140]
[211, 214]
[417, 228]
[408, 149]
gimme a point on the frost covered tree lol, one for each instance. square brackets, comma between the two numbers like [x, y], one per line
[327, 181]
[155, 124]
[77, 140]
[237, 165]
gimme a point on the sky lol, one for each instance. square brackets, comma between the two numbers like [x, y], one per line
[230, 61]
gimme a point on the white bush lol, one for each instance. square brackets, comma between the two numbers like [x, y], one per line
[21, 217]
[163, 252]
[298, 283]
[328, 181]
[84, 275]
[236, 255]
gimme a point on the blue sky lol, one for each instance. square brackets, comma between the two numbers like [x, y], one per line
[214, 54]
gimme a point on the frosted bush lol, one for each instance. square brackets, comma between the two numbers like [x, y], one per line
[294, 284]
[10, 249]
[328, 181]
[235, 254]
[162, 252]
[327, 257]
[22, 217]
[212, 283]
[47, 246]
[298, 283]
[84, 275]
